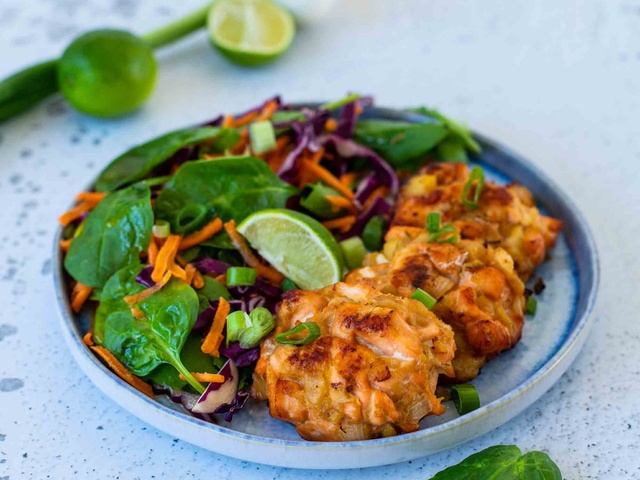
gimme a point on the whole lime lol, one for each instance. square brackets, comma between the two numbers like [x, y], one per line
[107, 73]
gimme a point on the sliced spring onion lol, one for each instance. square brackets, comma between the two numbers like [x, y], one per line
[314, 199]
[531, 306]
[262, 136]
[372, 233]
[288, 284]
[237, 322]
[476, 174]
[291, 337]
[440, 234]
[465, 398]
[161, 229]
[353, 251]
[424, 298]
[262, 323]
[191, 218]
[241, 276]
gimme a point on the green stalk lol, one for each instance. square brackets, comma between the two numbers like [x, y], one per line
[178, 29]
[340, 103]
[187, 375]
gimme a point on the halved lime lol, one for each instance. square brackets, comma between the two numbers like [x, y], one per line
[296, 245]
[250, 32]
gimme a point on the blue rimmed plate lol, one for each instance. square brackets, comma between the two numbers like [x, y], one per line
[507, 385]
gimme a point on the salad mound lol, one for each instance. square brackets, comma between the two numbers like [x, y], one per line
[183, 301]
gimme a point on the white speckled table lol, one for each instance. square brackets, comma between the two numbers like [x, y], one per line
[555, 79]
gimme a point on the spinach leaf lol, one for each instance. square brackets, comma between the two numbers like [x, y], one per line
[136, 163]
[210, 292]
[143, 344]
[230, 187]
[503, 462]
[192, 358]
[457, 130]
[452, 150]
[112, 236]
[402, 144]
[221, 241]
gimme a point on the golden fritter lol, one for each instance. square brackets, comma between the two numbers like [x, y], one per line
[478, 292]
[506, 215]
[372, 373]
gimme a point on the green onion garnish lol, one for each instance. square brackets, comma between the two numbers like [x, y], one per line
[236, 323]
[353, 252]
[262, 136]
[372, 233]
[161, 229]
[191, 218]
[440, 234]
[288, 284]
[465, 398]
[424, 298]
[261, 323]
[314, 199]
[532, 306]
[289, 337]
[241, 276]
[476, 174]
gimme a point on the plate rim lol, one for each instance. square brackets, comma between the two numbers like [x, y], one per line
[112, 385]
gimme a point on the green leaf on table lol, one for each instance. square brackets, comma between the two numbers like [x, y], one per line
[457, 130]
[144, 344]
[503, 462]
[138, 162]
[230, 187]
[402, 144]
[113, 235]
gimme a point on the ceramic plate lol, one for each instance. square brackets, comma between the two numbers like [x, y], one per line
[507, 385]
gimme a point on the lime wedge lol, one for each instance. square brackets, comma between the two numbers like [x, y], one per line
[250, 32]
[296, 245]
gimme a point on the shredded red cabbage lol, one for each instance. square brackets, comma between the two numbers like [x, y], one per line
[242, 357]
[210, 265]
[233, 407]
[378, 207]
[144, 277]
[349, 116]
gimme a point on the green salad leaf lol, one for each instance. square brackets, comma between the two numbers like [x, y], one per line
[144, 344]
[113, 235]
[210, 292]
[138, 162]
[503, 462]
[402, 144]
[230, 187]
[192, 358]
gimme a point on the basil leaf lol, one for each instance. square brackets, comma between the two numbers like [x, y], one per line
[402, 144]
[136, 163]
[503, 462]
[230, 187]
[458, 130]
[113, 235]
[192, 358]
[143, 344]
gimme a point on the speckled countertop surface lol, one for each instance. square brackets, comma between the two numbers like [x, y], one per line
[555, 79]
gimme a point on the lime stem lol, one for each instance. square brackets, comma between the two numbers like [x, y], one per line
[178, 29]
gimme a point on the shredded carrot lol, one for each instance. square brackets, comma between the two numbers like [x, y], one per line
[88, 337]
[330, 125]
[198, 281]
[137, 313]
[340, 202]
[277, 156]
[348, 178]
[120, 370]
[65, 244]
[190, 271]
[228, 121]
[152, 251]
[268, 110]
[75, 213]
[316, 157]
[222, 279]
[144, 294]
[343, 223]
[181, 261]
[165, 257]
[269, 273]
[205, 377]
[327, 177]
[79, 295]
[214, 338]
[178, 272]
[208, 231]
[381, 191]
[247, 118]
[359, 109]
[91, 197]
